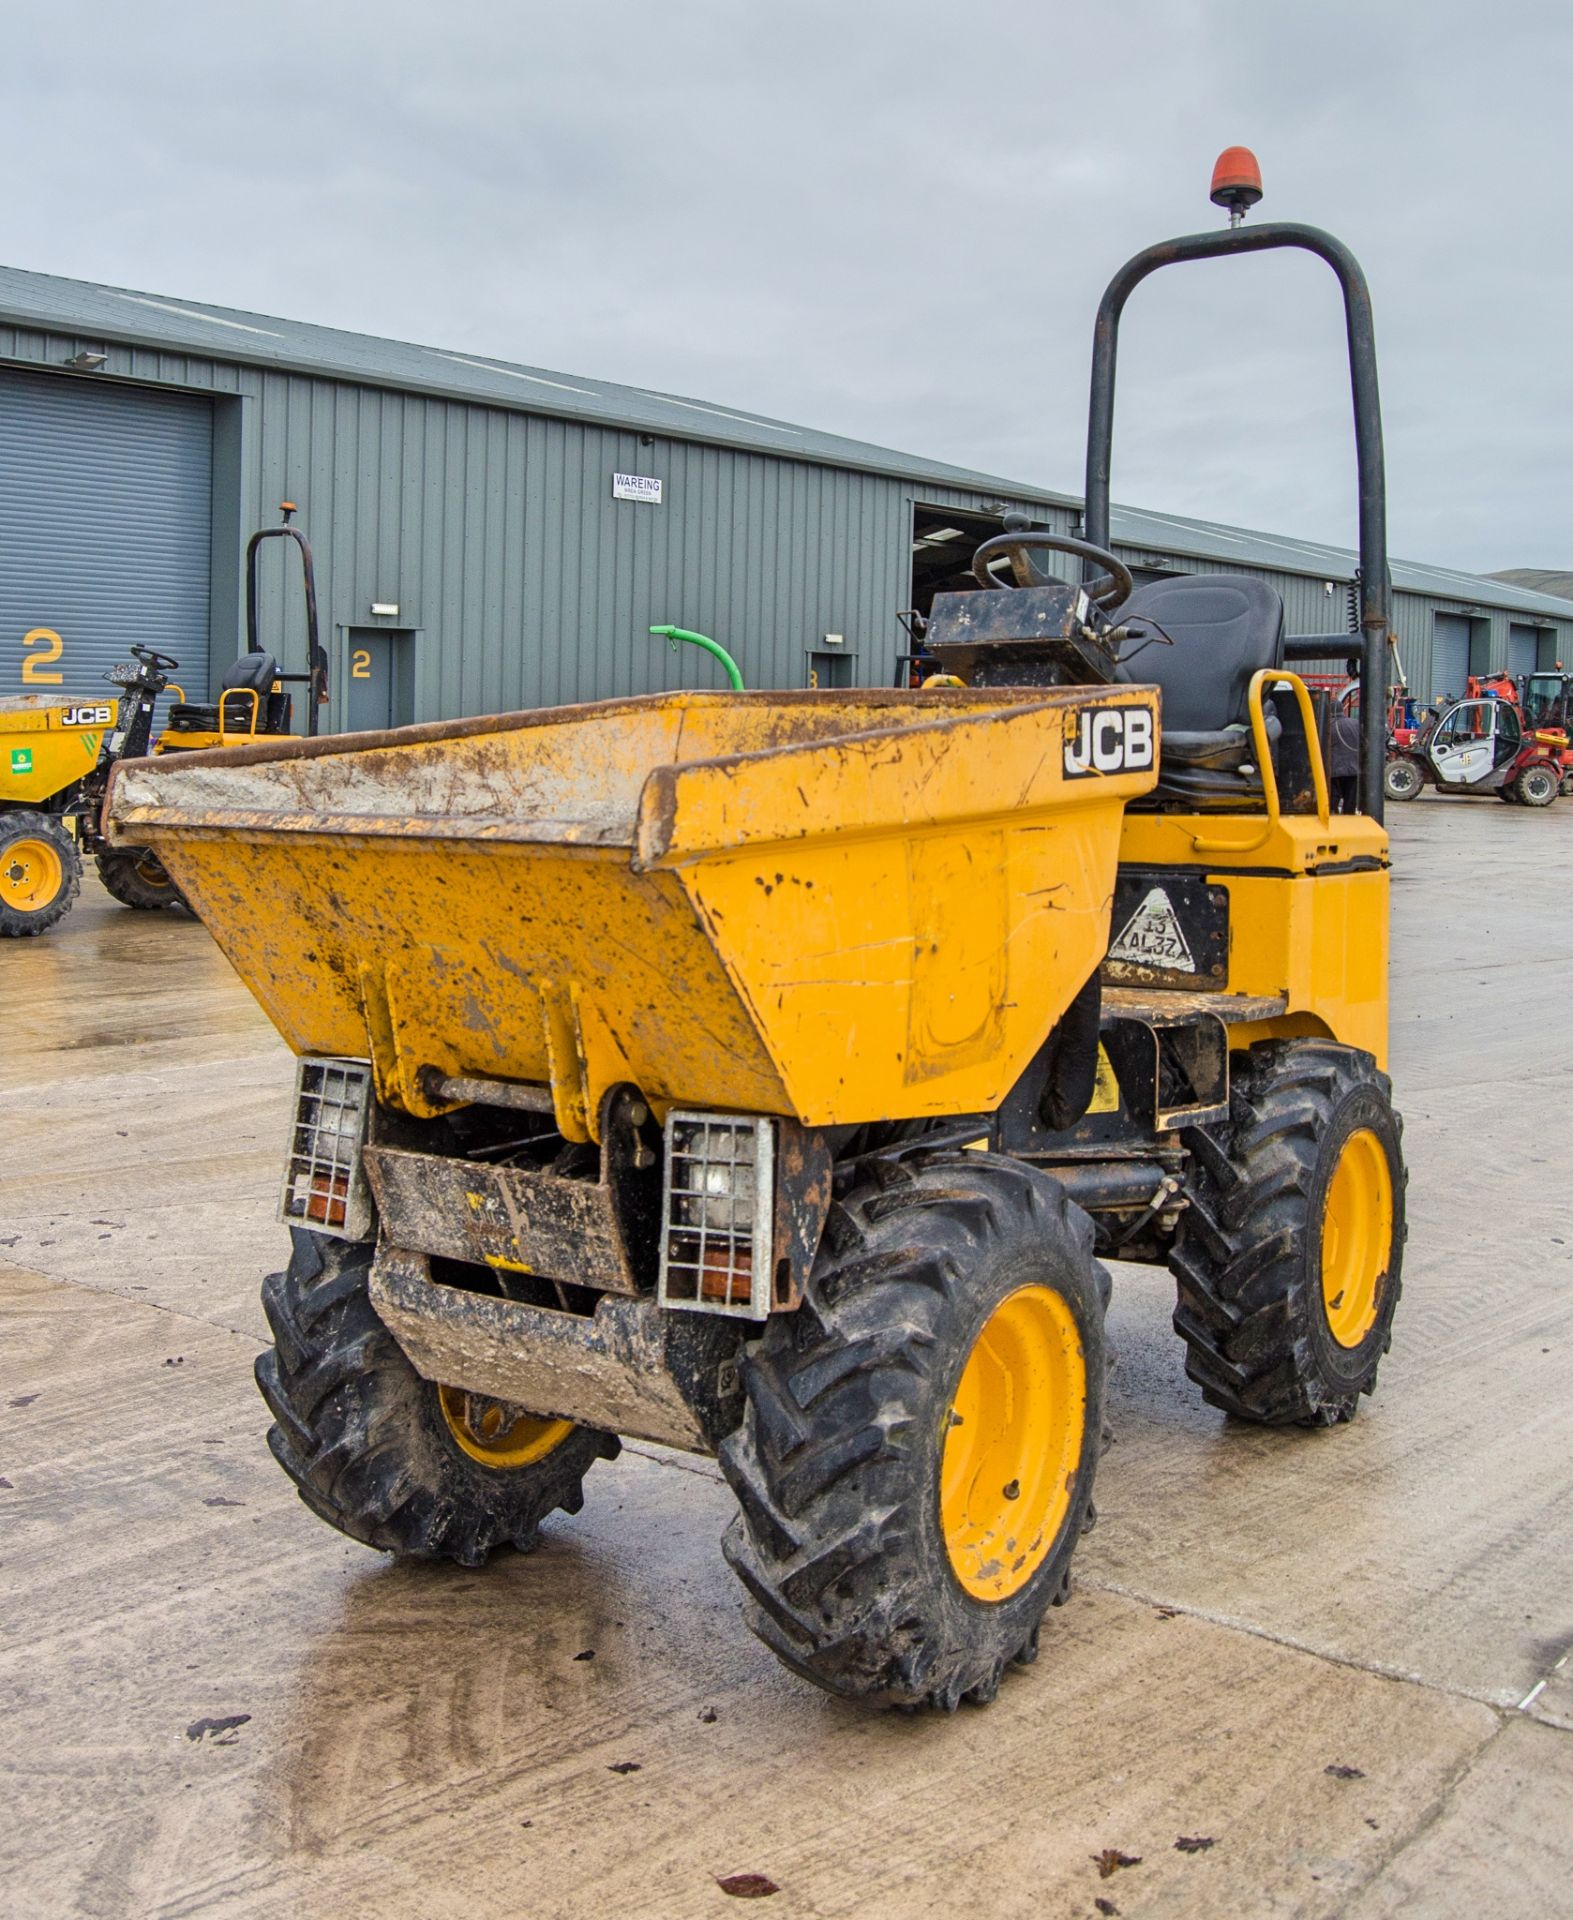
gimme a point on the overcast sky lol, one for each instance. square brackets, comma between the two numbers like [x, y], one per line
[891, 221]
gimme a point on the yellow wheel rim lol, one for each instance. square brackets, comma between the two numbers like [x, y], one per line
[496, 1432]
[1357, 1237]
[31, 875]
[1013, 1443]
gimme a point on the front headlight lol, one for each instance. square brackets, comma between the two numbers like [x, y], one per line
[716, 1243]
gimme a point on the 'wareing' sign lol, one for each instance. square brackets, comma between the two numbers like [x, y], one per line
[636, 486]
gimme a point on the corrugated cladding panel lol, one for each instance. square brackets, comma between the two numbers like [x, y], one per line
[1432, 673]
[495, 533]
[497, 536]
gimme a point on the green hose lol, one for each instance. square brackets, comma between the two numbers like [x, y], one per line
[674, 634]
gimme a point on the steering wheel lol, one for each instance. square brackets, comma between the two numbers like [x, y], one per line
[1112, 590]
[159, 662]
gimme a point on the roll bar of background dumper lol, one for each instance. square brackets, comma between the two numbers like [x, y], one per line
[316, 677]
[1375, 585]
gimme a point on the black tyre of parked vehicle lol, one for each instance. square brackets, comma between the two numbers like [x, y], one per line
[420, 1471]
[1289, 1257]
[138, 878]
[1402, 777]
[915, 1462]
[1538, 785]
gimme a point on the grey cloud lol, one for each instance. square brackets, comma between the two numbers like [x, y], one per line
[891, 221]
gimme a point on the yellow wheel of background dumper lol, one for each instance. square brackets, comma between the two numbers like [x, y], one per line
[40, 872]
[139, 879]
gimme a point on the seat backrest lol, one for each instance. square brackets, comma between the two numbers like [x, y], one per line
[257, 671]
[1224, 627]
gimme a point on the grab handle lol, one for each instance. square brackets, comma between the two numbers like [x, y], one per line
[1260, 680]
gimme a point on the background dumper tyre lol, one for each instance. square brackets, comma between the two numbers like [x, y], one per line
[1538, 785]
[1275, 1327]
[368, 1442]
[40, 873]
[1402, 778]
[842, 1462]
[137, 878]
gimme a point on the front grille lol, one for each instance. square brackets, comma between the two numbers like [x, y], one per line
[716, 1211]
[324, 1186]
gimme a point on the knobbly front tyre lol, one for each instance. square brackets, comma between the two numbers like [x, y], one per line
[1289, 1257]
[915, 1462]
[393, 1460]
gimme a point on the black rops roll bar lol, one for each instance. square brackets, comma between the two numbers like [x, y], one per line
[1375, 583]
[316, 677]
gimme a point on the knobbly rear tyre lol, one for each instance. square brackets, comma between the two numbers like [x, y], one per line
[841, 1541]
[1263, 1340]
[365, 1439]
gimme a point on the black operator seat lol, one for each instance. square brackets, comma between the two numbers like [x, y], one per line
[256, 671]
[251, 673]
[1223, 627]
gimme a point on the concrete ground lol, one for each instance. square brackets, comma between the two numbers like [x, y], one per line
[1302, 1674]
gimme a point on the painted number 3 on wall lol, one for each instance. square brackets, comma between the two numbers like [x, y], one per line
[40, 650]
[360, 664]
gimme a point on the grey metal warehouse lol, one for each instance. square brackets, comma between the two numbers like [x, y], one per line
[494, 536]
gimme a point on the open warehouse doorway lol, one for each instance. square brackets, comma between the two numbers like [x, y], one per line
[943, 543]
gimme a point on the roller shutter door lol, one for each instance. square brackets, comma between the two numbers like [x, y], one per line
[1449, 655]
[105, 515]
[1523, 649]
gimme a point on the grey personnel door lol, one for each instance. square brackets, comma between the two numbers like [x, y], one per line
[379, 680]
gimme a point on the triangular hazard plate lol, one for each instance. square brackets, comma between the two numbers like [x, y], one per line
[1153, 937]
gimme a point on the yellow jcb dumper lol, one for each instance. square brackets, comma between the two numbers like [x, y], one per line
[56, 756]
[762, 1074]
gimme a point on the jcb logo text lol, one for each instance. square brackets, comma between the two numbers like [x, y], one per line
[1109, 740]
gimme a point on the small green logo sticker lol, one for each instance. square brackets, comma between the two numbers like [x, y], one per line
[21, 759]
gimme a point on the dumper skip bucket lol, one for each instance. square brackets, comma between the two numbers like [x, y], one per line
[833, 906]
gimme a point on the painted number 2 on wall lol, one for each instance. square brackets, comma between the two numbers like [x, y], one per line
[41, 648]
